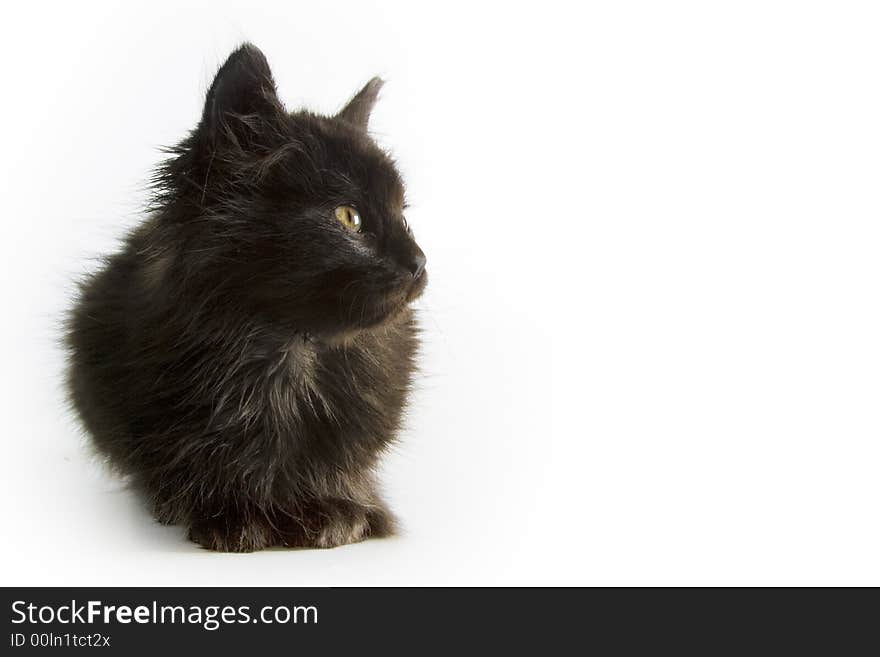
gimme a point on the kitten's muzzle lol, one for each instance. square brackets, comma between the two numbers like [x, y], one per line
[411, 259]
[419, 282]
[416, 265]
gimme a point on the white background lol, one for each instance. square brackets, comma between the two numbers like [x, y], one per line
[652, 326]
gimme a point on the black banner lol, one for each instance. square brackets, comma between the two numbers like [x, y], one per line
[413, 621]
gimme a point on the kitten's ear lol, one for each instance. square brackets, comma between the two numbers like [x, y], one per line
[242, 87]
[357, 111]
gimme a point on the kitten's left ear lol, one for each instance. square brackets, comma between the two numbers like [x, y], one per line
[243, 86]
[357, 111]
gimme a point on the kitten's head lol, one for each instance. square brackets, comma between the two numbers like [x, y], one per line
[291, 216]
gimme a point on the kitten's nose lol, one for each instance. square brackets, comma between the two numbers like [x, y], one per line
[417, 263]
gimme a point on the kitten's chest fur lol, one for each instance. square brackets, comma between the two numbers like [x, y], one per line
[156, 393]
[340, 400]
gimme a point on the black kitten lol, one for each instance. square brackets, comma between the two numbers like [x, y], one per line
[246, 357]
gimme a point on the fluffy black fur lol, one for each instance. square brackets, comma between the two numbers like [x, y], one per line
[245, 358]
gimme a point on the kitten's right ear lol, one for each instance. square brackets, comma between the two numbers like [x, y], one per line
[242, 87]
[357, 111]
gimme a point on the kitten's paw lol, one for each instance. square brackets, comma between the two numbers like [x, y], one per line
[382, 522]
[338, 522]
[342, 530]
[224, 534]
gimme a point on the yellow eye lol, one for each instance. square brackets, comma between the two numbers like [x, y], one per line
[348, 217]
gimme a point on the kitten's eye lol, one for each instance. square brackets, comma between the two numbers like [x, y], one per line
[348, 217]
